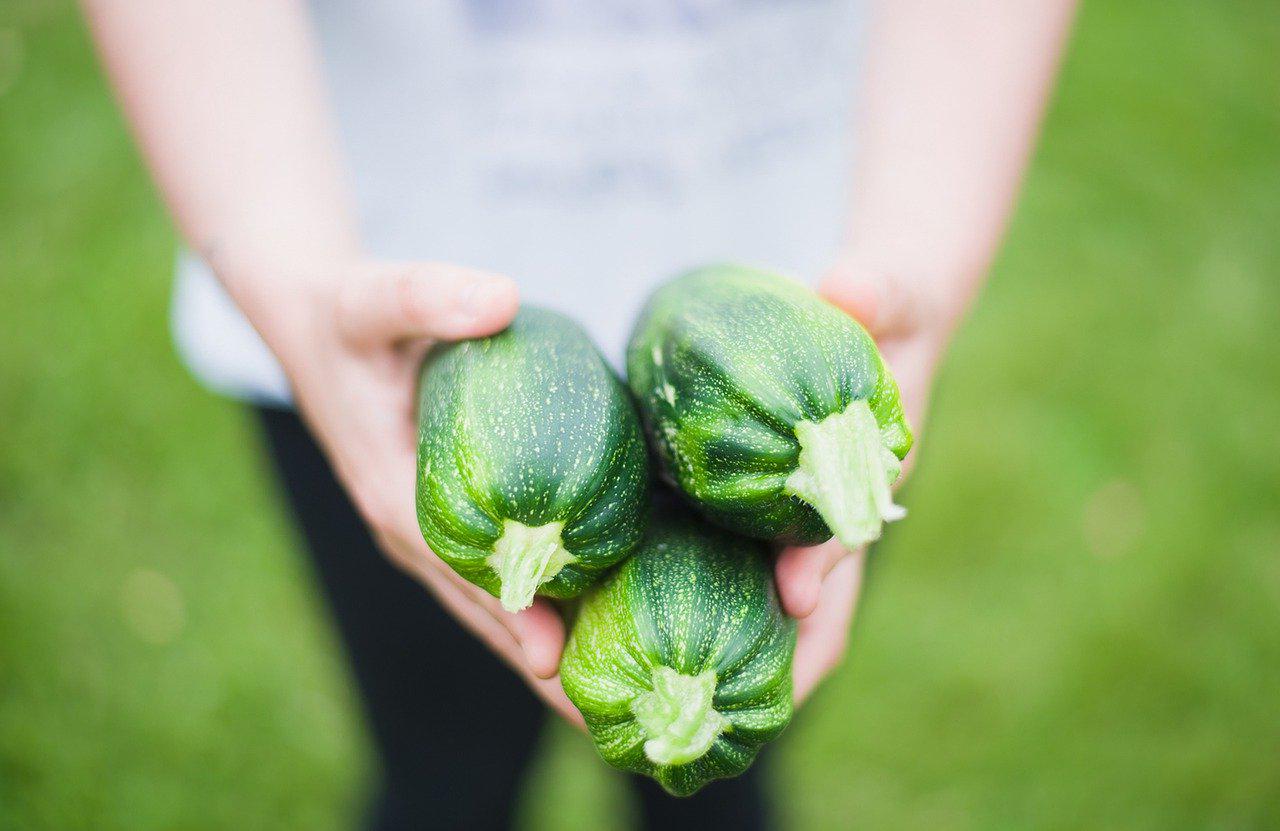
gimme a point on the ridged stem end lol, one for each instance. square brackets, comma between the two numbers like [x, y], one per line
[677, 716]
[845, 472]
[524, 558]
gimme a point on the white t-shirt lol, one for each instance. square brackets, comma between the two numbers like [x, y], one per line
[589, 149]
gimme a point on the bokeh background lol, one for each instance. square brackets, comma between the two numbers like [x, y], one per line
[1079, 626]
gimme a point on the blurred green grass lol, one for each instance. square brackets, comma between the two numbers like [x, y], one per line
[1079, 626]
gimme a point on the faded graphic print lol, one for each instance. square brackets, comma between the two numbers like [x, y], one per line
[582, 100]
[499, 16]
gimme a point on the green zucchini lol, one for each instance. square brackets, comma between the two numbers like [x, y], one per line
[771, 409]
[532, 473]
[680, 662]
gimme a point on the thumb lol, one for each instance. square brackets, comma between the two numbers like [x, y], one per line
[884, 304]
[389, 302]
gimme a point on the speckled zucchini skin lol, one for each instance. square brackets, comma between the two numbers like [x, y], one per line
[724, 362]
[692, 598]
[529, 425]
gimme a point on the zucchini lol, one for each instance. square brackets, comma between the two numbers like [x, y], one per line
[680, 662]
[532, 473]
[770, 409]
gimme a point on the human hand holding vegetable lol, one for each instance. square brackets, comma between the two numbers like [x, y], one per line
[350, 339]
[820, 584]
[945, 136]
[352, 355]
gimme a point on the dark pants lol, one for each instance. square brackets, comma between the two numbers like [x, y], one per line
[453, 727]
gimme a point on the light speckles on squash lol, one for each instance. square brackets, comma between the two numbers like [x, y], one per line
[726, 362]
[681, 661]
[531, 427]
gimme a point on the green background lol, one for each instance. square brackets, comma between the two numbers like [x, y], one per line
[1078, 626]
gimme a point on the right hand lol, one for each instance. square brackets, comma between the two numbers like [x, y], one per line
[351, 339]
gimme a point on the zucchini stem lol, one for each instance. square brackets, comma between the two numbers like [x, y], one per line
[845, 472]
[525, 558]
[677, 716]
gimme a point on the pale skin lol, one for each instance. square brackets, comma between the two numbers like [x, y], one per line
[227, 103]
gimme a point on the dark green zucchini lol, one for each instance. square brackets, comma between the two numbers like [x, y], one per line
[531, 465]
[770, 408]
[681, 661]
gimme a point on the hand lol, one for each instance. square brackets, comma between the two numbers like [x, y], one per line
[819, 585]
[351, 340]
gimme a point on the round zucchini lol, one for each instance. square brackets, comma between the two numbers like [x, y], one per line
[770, 409]
[680, 662]
[532, 471]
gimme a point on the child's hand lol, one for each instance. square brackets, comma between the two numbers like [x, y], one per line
[819, 585]
[351, 341]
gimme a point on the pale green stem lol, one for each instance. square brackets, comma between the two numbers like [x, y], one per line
[525, 558]
[845, 472]
[677, 716]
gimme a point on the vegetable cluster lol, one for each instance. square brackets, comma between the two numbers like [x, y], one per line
[770, 412]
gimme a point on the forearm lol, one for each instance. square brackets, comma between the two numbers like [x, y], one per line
[227, 105]
[949, 112]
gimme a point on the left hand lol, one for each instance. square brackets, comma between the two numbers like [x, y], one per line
[819, 585]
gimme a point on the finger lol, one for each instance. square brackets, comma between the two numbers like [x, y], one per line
[478, 613]
[535, 660]
[800, 573]
[540, 631]
[530, 642]
[822, 636]
[392, 302]
[884, 304]
[537, 632]
[550, 691]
